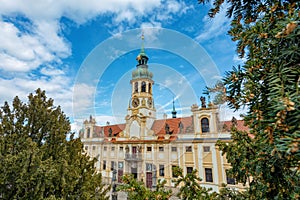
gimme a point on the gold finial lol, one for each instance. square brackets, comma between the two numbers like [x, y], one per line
[142, 37]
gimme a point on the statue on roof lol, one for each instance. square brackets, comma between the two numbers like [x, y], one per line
[167, 129]
[109, 132]
[203, 103]
[234, 121]
[181, 127]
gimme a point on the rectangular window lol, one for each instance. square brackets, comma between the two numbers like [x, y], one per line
[121, 148]
[120, 165]
[230, 180]
[86, 148]
[88, 132]
[104, 165]
[174, 175]
[173, 149]
[149, 148]
[112, 166]
[161, 170]
[94, 148]
[188, 148]
[161, 148]
[112, 148]
[148, 167]
[206, 148]
[208, 175]
[189, 170]
[105, 148]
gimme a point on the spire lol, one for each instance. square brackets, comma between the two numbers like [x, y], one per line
[143, 45]
[142, 57]
[174, 111]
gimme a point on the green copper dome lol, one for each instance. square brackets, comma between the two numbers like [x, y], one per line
[142, 72]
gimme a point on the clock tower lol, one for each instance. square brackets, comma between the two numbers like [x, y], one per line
[141, 110]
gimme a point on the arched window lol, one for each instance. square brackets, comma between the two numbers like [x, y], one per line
[149, 88]
[136, 87]
[88, 133]
[143, 86]
[204, 125]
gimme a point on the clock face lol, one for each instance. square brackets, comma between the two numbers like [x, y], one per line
[135, 102]
[150, 102]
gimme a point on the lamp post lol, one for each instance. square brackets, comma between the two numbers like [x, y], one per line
[114, 194]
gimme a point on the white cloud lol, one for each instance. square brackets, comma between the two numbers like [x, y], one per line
[83, 99]
[216, 26]
[31, 50]
[24, 51]
[56, 87]
[227, 113]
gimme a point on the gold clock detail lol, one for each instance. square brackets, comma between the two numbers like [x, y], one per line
[150, 102]
[135, 102]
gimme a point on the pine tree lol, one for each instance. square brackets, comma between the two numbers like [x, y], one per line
[267, 35]
[38, 161]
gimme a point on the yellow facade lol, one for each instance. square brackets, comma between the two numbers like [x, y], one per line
[148, 147]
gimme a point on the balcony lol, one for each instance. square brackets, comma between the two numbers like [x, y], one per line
[133, 157]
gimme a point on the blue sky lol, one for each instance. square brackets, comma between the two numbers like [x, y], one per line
[82, 53]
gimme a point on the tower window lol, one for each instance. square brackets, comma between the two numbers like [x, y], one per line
[143, 86]
[88, 133]
[204, 125]
[136, 87]
[149, 88]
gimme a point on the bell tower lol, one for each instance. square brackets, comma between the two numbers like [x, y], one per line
[141, 110]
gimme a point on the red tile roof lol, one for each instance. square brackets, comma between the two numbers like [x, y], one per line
[159, 127]
[240, 125]
[104, 130]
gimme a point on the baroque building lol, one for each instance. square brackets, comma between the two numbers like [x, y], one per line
[150, 148]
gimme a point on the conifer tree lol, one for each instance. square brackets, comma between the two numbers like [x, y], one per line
[38, 161]
[267, 35]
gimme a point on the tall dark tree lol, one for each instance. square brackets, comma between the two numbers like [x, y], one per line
[267, 35]
[37, 160]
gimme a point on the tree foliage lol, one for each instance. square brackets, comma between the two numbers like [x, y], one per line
[190, 188]
[267, 35]
[218, 91]
[136, 189]
[37, 159]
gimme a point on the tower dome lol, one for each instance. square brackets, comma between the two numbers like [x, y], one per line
[142, 72]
